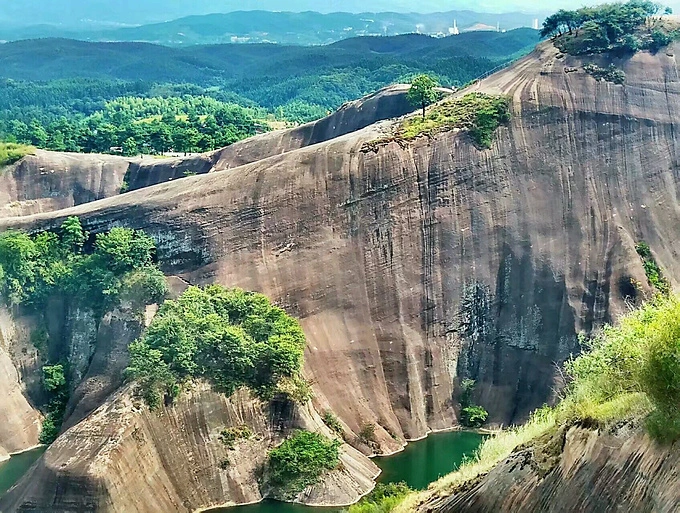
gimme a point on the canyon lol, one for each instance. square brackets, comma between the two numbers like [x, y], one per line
[411, 267]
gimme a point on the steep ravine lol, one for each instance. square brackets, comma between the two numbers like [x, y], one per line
[409, 267]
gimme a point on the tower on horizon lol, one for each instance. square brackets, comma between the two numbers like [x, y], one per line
[454, 31]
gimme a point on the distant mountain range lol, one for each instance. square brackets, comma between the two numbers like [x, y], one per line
[74, 13]
[306, 28]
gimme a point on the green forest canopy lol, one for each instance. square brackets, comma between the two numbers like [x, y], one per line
[229, 337]
[35, 267]
[626, 27]
[76, 96]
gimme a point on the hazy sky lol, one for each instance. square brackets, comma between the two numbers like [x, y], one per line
[22, 12]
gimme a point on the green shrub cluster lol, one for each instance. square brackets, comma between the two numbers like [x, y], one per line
[620, 27]
[301, 460]
[12, 152]
[331, 420]
[652, 270]
[35, 267]
[634, 366]
[56, 386]
[478, 113]
[230, 436]
[383, 499]
[471, 415]
[608, 74]
[229, 337]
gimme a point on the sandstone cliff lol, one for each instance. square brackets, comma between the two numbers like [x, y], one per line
[419, 264]
[620, 470]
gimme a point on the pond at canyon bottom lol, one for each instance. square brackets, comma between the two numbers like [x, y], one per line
[11, 470]
[418, 465]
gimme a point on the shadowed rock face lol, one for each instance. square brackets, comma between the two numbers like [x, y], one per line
[413, 267]
[623, 471]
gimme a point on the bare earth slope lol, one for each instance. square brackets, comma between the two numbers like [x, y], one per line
[419, 264]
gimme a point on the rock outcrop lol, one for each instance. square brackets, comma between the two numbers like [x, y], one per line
[49, 181]
[621, 470]
[124, 458]
[423, 263]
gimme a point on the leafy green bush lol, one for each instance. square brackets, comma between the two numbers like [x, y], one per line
[53, 377]
[229, 337]
[367, 433]
[473, 416]
[331, 420]
[301, 460]
[383, 498]
[12, 152]
[36, 267]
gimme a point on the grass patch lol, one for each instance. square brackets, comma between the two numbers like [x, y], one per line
[478, 113]
[11, 153]
[383, 499]
[301, 461]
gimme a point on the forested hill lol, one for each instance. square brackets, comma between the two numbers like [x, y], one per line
[49, 59]
[271, 75]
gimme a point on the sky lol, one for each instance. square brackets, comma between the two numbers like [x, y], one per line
[136, 12]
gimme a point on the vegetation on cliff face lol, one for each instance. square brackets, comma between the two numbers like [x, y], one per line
[300, 461]
[229, 337]
[471, 415]
[93, 275]
[12, 152]
[609, 74]
[478, 113]
[619, 27]
[631, 370]
[34, 268]
[652, 270]
[56, 386]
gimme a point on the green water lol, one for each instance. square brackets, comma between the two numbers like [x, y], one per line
[11, 470]
[418, 465]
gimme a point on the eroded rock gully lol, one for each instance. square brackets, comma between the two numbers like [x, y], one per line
[409, 268]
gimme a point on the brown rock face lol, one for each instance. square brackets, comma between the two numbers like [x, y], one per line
[413, 267]
[624, 472]
[49, 181]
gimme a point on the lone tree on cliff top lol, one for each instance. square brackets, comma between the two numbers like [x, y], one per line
[422, 92]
